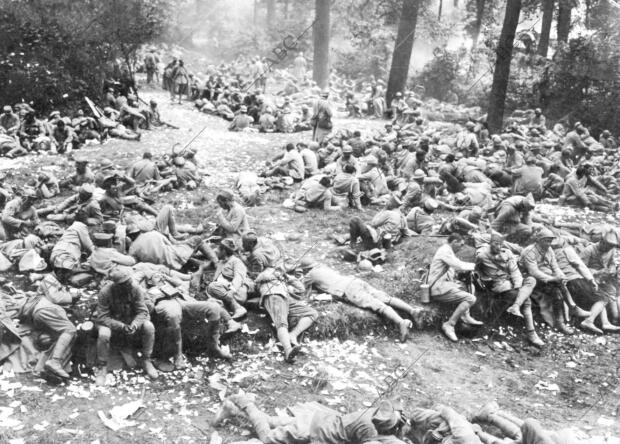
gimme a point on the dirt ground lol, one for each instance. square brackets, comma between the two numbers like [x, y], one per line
[572, 382]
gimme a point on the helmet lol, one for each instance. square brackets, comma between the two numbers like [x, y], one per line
[419, 174]
[119, 275]
[229, 244]
[87, 189]
[431, 204]
[364, 265]
[29, 192]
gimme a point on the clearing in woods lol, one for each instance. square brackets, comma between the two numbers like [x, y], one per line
[572, 382]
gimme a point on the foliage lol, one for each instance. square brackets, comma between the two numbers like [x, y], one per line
[58, 51]
[439, 75]
[583, 81]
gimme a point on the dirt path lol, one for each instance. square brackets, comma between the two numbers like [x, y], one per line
[573, 382]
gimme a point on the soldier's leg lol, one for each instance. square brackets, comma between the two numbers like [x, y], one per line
[524, 295]
[104, 335]
[170, 312]
[361, 294]
[464, 300]
[147, 336]
[165, 222]
[222, 292]
[302, 316]
[53, 318]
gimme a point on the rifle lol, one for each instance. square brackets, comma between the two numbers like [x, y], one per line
[97, 112]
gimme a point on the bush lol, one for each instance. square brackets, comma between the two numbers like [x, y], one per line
[438, 77]
[57, 52]
[583, 82]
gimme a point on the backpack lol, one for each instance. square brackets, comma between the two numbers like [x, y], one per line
[324, 120]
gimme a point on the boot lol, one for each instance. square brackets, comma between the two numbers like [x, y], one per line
[605, 324]
[213, 336]
[290, 355]
[60, 354]
[448, 330]
[149, 368]
[489, 413]
[403, 325]
[588, 325]
[403, 329]
[448, 327]
[54, 366]
[485, 411]
[237, 310]
[180, 362]
[515, 310]
[101, 373]
[259, 420]
[522, 296]
[611, 328]
[579, 312]
[534, 339]
[468, 319]
[559, 320]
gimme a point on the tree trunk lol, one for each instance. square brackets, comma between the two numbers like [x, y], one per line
[475, 34]
[255, 12]
[545, 29]
[286, 2]
[402, 48]
[564, 17]
[439, 12]
[271, 13]
[320, 66]
[497, 101]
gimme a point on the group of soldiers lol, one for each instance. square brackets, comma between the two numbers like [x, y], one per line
[490, 184]
[122, 116]
[155, 275]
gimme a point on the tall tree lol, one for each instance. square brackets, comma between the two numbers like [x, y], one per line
[545, 28]
[565, 8]
[255, 19]
[271, 13]
[497, 101]
[401, 57]
[320, 66]
[476, 26]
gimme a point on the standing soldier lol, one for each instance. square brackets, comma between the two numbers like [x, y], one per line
[321, 117]
[150, 64]
[300, 67]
